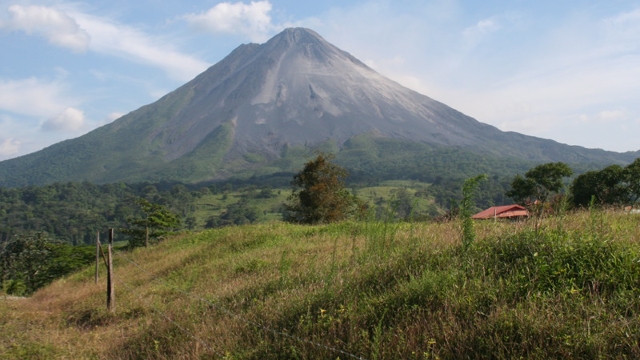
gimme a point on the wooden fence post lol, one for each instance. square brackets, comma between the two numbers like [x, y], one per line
[97, 254]
[111, 295]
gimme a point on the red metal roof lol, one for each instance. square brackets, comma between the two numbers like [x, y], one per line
[502, 212]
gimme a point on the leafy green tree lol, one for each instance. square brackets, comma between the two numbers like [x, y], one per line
[191, 222]
[156, 223]
[319, 194]
[149, 192]
[583, 189]
[403, 203]
[24, 260]
[182, 199]
[240, 213]
[632, 177]
[607, 186]
[28, 262]
[539, 183]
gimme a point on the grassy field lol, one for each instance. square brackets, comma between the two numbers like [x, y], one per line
[367, 290]
[381, 197]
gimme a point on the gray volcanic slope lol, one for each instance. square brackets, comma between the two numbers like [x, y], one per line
[243, 112]
[299, 89]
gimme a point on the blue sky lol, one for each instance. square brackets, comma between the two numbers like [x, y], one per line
[564, 70]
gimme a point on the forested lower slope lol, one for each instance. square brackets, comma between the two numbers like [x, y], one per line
[74, 212]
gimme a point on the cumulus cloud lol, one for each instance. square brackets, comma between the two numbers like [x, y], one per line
[56, 26]
[32, 96]
[71, 120]
[9, 147]
[251, 20]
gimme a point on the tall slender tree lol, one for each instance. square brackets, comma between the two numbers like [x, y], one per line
[319, 194]
[469, 190]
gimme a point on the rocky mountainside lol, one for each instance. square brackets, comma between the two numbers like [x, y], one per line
[252, 110]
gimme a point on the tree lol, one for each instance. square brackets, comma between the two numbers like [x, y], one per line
[156, 223]
[28, 262]
[240, 213]
[538, 184]
[403, 203]
[607, 186]
[24, 260]
[319, 195]
[632, 177]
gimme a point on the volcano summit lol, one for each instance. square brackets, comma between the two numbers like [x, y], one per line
[249, 112]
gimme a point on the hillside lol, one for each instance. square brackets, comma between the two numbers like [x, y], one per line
[264, 108]
[351, 290]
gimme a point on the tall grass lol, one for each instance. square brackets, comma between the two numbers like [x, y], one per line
[371, 290]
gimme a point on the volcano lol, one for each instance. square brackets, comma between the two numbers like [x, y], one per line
[253, 109]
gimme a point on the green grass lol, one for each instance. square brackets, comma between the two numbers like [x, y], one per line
[216, 204]
[380, 196]
[374, 290]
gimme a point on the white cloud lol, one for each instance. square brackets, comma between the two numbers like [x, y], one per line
[480, 29]
[32, 97]
[251, 20]
[538, 124]
[112, 38]
[611, 115]
[625, 19]
[79, 32]
[56, 26]
[606, 117]
[71, 119]
[9, 147]
[110, 118]
[114, 116]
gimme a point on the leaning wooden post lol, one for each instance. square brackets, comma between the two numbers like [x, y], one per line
[97, 254]
[111, 295]
[146, 238]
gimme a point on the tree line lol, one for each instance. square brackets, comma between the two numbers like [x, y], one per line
[62, 215]
[73, 212]
[612, 186]
[319, 194]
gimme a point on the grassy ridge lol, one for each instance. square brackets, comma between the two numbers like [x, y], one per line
[374, 290]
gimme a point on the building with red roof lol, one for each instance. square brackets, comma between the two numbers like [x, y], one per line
[503, 212]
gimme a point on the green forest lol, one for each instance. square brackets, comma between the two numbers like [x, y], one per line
[73, 213]
[66, 218]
